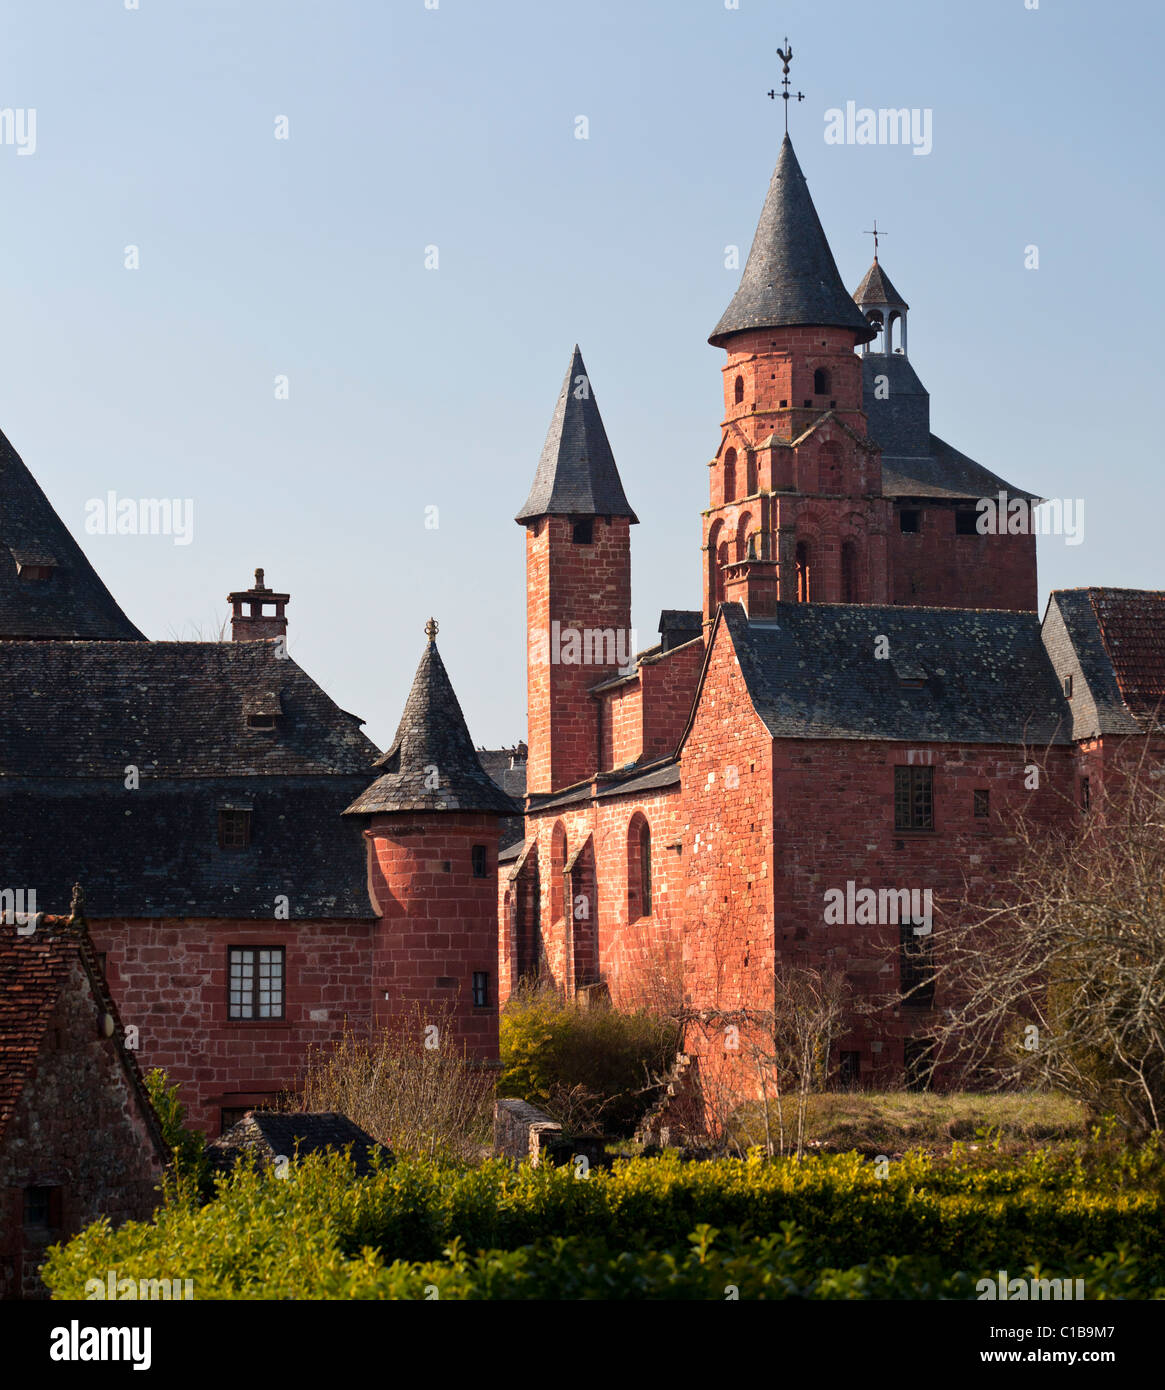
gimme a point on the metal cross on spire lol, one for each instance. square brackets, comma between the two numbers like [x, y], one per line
[786, 57]
[875, 234]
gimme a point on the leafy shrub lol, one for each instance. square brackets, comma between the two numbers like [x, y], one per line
[648, 1228]
[593, 1068]
[189, 1172]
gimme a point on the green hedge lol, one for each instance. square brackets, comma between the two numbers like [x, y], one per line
[648, 1228]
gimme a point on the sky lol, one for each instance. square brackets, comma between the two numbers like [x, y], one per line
[277, 351]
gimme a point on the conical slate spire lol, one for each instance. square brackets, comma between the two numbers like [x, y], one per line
[431, 764]
[877, 289]
[576, 473]
[48, 589]
[790, 279]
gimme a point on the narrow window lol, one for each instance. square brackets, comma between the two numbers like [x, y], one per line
[966, 522]
[234, 829]
[645, 868]
[730, 476]
[477, 854]
[915, 970]
[914, 798]
[1068, 686]
[802, 562]
[738, 390]
[821, 382]
[582, 533]
[750, 473]
[910, 521]
[256, 982]
[1085, 793]
[982, 802]
[849, 1070]
[849, 583]
[918, 1063]
[480, 989]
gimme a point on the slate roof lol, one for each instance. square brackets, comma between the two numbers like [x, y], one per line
[506, 768]
[576, 474]
[1112, 642]
[812, 673]
[34, 969]
[432, 741]
[78, 714]
[790, 278]
[270, 1135]
[72, 602]
[944, 473]
[876, 290]
[678, 626]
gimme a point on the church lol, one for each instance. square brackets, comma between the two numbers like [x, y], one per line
[853, 705]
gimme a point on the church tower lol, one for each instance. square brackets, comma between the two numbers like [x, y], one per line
[795, 509]
[578, 586]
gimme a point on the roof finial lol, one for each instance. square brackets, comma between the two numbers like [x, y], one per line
[259, 579]
[786, 57]
[875, 234]
[431, 630]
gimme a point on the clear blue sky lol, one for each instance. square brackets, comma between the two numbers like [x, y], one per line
[412, 388]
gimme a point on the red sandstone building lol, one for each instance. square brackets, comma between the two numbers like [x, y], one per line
[854, 700]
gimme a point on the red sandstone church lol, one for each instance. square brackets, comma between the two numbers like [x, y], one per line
[854, 702]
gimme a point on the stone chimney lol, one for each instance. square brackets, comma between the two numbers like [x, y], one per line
[257, 623]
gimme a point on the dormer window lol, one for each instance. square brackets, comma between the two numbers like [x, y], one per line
[263, 711]
[34, 565]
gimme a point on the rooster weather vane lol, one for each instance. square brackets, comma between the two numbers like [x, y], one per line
[786, 57]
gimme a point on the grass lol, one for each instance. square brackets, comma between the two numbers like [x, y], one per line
[890, 1122]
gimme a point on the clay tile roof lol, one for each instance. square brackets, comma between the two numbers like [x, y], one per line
[1132, 627]
[876, 290]
[576, 473]
[270, 1135]
[431, 764]
[72, 602]
[34, 969]
[790, 278]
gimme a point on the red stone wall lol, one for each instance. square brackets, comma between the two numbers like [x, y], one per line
[439, 927]
[169, 979]
[937, 568]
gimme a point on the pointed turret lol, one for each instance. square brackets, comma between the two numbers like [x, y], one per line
[790, 279]
[876, 290]
[48, 589]
[431, 764]
[576, 473]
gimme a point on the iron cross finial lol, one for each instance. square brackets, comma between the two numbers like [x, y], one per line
[431, 630]
[875, 234]
[786, 57]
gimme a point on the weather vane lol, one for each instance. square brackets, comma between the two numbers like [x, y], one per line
[875, 234]
[786, 57]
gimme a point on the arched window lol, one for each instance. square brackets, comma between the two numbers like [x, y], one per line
[715, 581]
[738, 390]
[639, 893]
[849, 572]
[821, 382]
[730, 476]
[802, 571]
[559, 878]
[721, 561]
[743, 527]
[750, 473]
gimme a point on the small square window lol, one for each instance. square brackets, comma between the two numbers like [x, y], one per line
[583, 533]
[260, 721]
[478, 857]
[255, 982]
[910, 521]
[234, 829]
[982, 802]
[42, 1208]
[480, 989]
[966, 522]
